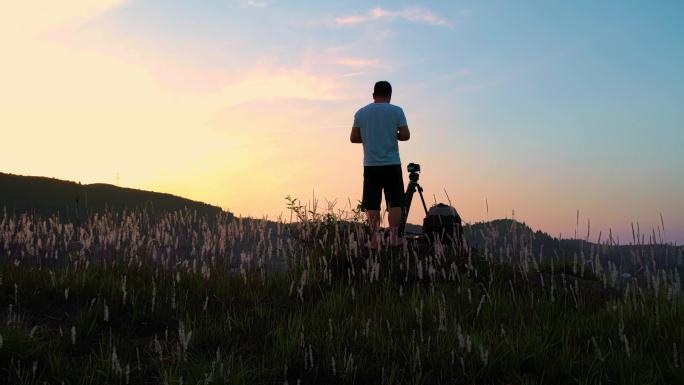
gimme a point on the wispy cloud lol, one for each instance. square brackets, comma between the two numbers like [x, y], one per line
[359, 66]
[358, 63]
[351, 74]
[412, 14]
[254, 4]
[271, 84]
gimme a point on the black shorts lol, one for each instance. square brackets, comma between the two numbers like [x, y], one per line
[378, 178]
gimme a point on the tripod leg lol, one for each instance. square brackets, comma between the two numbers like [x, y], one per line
[408, 197]
[420, 192]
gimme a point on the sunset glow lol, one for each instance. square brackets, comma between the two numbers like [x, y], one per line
[533, 111]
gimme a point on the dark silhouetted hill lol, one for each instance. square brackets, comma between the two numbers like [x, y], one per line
[509, 237]
[501, 234]
[70, 200]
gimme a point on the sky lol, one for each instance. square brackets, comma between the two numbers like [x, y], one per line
[542, 111]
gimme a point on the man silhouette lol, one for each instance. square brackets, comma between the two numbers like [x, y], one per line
[379, 126]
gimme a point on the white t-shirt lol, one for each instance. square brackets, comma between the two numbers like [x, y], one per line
[378, 123]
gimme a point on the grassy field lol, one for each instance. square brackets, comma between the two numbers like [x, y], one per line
[122, 300]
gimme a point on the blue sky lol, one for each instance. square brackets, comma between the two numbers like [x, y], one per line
[544, 108]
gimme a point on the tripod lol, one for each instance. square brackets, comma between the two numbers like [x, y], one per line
[414, 174]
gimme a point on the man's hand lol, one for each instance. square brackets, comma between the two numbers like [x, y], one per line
[355, 136]
[403, 133]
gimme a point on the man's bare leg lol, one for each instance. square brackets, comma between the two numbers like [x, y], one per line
[374, 224]
[394, 222]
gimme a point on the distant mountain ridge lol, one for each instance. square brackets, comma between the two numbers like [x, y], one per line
[521, 234]
[70, 200]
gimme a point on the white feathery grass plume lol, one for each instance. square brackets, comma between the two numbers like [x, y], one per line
[158, 348]
[596, 349]
[116, 366]
[479, 305]
[311, 360]
[302, 282]
[349, 363]
[675, 354]
[441, 307]
[484, 355]
[627, 348]
[154, 295]
[124, 292]
[460, 336]
[184, 339]
[330, 328]
[306, 359]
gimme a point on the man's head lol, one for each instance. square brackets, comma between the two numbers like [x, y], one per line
[382, 92]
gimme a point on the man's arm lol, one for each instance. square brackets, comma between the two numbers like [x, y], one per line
[403, 133]
[355, 136]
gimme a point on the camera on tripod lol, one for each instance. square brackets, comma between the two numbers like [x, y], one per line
[441, 222]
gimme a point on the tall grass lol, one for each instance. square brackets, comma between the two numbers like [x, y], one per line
[127, 297]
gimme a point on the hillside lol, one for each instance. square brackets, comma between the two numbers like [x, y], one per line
[71, 201]
[503, 233]
[508, 237]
